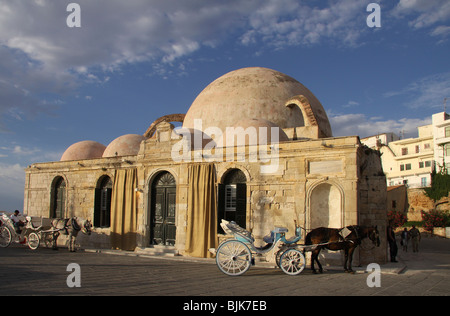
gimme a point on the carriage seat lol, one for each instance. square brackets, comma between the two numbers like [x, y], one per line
[231, 228]
[30, 223]
[271, 238]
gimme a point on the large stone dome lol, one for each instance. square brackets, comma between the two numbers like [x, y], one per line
[126, 145]
[256, 93]
[252, 132]
[87, 149]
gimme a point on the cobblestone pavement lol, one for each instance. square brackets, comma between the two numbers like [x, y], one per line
[44, 272]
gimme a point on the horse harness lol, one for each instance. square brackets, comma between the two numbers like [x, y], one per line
[67, 225]
[345, 232]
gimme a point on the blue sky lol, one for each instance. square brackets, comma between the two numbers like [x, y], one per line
[133, 61]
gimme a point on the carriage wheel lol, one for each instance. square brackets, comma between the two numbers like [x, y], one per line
[279, 253]
[233, 257]
[5, 237]
[33, 241]
[292, 262]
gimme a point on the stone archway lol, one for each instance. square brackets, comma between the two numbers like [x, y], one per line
[326, 209]
[326, 206]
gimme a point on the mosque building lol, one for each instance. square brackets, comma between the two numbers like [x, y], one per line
[255, 147]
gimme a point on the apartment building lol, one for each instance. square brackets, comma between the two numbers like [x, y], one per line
[410, 161]
[441, 132]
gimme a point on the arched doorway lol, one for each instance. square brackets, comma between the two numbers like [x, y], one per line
[163, 210]
[326, 210]
[232, 199]
[102, 208]
[58, 202]
[326, 206]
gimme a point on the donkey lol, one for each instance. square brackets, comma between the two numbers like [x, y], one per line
[332, 239]
[70, 226]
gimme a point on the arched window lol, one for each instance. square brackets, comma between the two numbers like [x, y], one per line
[58, 203]
[102, 209]
[232, 199]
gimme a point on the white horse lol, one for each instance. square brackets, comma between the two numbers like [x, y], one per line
[70, 226]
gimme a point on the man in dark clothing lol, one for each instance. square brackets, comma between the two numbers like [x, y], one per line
[415, 238]
[392, 242]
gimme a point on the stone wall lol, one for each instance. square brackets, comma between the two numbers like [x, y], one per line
[418, 201]
[372, 204]
[334, 178]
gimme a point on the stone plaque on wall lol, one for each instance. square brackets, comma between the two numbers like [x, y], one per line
[326, 167]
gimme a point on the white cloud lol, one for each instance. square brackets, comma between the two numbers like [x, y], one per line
[27, 155]
[441, 31]
[350, 104]
[282, 23]
[19, 150]
[426, 13]
[12, 183]
[427, 92]
[363, 126]
[41, 56]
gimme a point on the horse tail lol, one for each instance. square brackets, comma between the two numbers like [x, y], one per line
[308, 240]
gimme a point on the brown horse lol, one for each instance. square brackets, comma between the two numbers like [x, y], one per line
[333, 239]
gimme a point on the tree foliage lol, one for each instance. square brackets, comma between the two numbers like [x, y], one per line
[440, 186]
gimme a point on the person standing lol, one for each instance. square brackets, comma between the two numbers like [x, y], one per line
[414, 233]
[404, 240]
[392, 243]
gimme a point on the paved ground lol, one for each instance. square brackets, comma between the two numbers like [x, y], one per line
[44, 272]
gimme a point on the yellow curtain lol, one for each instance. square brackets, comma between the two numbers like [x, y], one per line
[124, 210]
[201, 214]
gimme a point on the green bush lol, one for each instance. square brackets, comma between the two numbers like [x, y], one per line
[440, 186]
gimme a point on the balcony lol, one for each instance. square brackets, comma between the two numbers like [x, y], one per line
[442, 140]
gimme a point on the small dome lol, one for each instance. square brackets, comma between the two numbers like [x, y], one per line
[126, 145]
[255, 131]
[87, 149]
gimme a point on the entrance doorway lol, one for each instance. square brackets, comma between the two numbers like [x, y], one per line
[232, 199]
[58, 198]
[163, 210]
[102, 206]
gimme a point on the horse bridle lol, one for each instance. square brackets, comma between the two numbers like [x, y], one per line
[368, 249]
[75, 224]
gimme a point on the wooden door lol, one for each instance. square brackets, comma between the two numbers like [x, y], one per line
[163, 211]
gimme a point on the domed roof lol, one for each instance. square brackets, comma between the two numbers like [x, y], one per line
[126, 145]
[255, 131]
[255, 93]
[87, 149]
